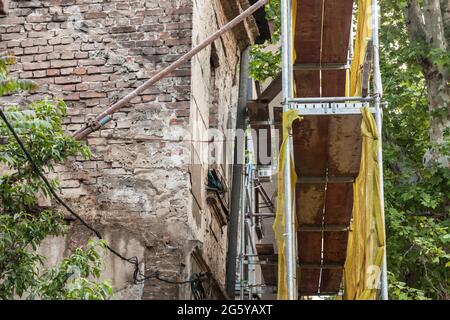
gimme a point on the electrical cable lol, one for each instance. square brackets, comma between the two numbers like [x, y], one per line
[138, 276]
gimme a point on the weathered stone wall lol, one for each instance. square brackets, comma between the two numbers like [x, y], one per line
[136, 188]
[215, 81]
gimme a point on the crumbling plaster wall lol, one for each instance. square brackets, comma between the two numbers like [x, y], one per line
[215, 81]
[136, 187]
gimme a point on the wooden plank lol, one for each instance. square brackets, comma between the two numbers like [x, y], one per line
[339, 204]
[308, 281]
[309, 203]
[310, 139]
[336, 30]
[309, 247]
[272, 90]
[307, 47]
[307, 31]
[307, 83]
[344, 145]
[331, 281]
[333, 83]
[335, 246]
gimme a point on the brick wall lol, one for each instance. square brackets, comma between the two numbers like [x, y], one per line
[136, 187]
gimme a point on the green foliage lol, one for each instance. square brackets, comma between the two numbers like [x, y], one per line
[21, 235]
[23, 224]
[265, 59]
[401, 291]
[70, 279]
[10, 86]
[264, 64]
[417, 245]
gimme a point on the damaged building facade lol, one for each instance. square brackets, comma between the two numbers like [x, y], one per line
[151, 192]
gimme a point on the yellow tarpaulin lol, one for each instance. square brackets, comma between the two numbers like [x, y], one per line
[363, 35]
[279, 226]
[366, 238]
[366, 246]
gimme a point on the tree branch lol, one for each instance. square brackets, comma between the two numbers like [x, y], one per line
[434, 24]
[415, 21]
[445, 9]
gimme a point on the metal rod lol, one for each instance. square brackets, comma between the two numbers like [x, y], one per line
[318, 294]
[237, 182]
[261, 191]
[324, 66]
[287, 92]
[261, 255]
[377, 83]
[262, 215]
[250, 247]
[309, 266]
[378, 91]
[329, 99]
[242, 238]
[379, 120]
[309, 180]
[105, 116]
[325, 228]
[335, 266]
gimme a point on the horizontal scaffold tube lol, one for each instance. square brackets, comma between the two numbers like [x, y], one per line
[330, 99]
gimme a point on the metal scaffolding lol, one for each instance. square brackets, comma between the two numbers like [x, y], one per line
[248, 286]
[287, 96]
[323, 106]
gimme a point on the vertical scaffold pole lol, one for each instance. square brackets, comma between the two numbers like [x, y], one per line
[378, 92]
[242, 235]
[287, 80]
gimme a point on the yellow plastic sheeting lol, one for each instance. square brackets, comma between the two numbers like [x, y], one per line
[366, 245]
[366, 238]
[363, 35]
[279, 226]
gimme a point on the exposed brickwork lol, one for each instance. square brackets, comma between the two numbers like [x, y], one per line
[137, 182]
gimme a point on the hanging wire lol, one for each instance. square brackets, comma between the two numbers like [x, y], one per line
[138, 276]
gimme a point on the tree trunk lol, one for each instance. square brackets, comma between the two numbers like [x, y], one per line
[429, 22]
